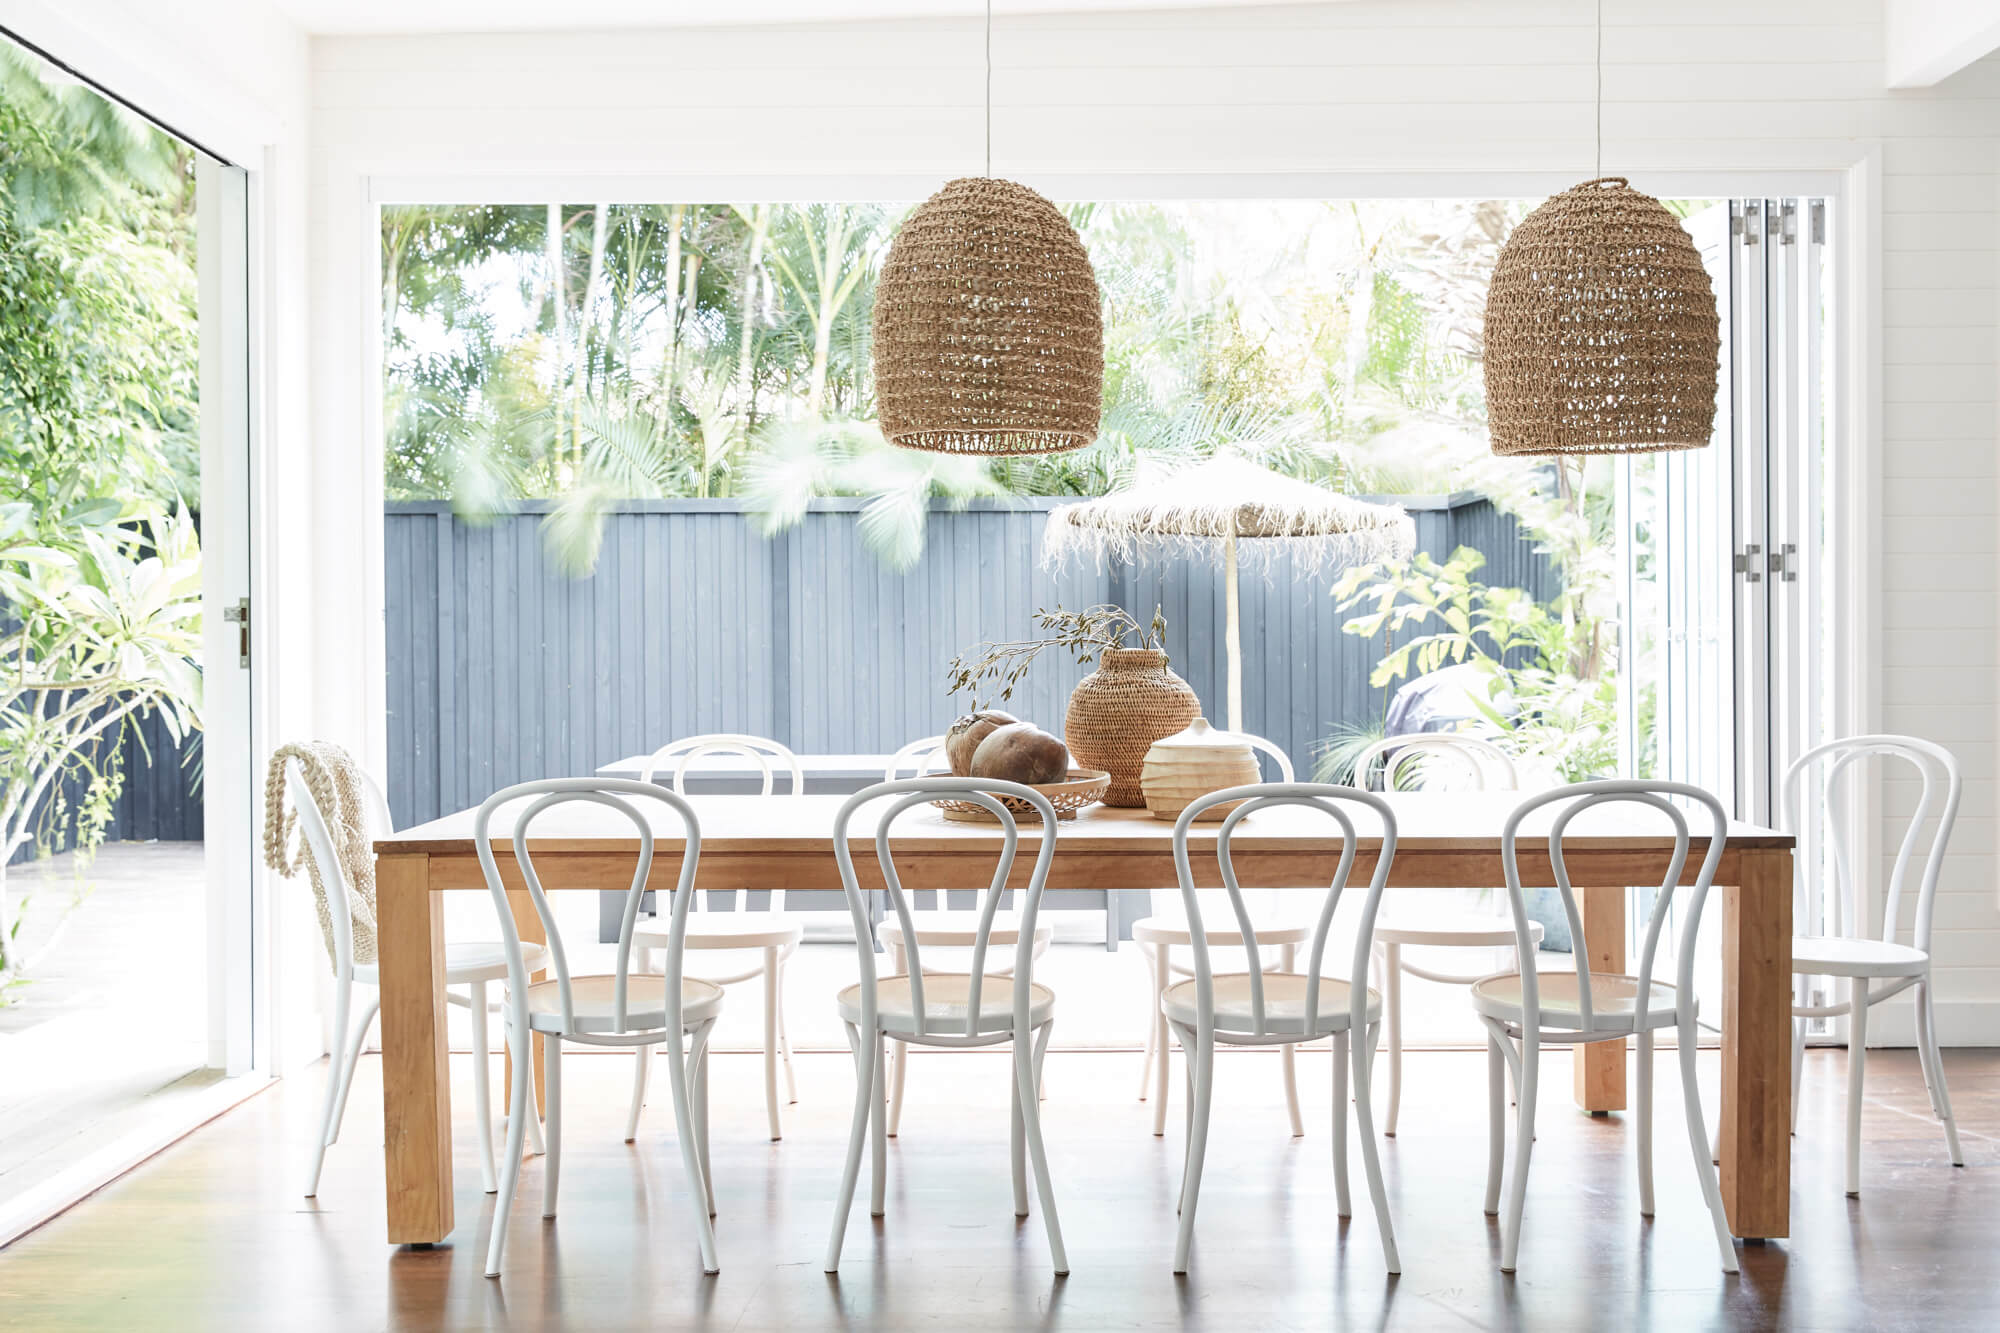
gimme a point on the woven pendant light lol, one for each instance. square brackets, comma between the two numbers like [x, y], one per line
[1602, 334]
[989, 331]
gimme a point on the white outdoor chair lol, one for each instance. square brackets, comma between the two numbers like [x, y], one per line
[1849, 951]
[1533, 1008]
[1167, 929]
[1259, 1008]
[920, 1007]
[1478, 765]
[471, 965]
[938, 926]
[623, 1008]
[765, 939]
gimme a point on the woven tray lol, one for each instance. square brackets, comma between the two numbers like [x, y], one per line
[1086, 786]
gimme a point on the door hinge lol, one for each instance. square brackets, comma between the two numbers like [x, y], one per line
[1753, 222]
[239, 616]
[1735, 217]
[1783, 562]
[1816, 221]
[1786, 223]
[1747, 564]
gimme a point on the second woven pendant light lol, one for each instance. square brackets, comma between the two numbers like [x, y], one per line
[1602, 333]
[989, 331]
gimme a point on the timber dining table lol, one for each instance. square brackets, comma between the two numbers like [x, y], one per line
[1444, 840]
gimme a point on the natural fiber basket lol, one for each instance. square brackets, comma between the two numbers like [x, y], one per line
[989, 334]
[1084, 786]
[1602, 333]
[1118, 711]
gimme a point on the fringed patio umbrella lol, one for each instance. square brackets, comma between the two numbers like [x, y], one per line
[1209, 508]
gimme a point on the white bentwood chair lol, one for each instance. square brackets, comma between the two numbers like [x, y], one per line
[472, 964]
[920, 1007]
[622, 1008]
[1168, 929]
[1849, 951]
[1259, 1008]
[939, 927]
[769, 937]
[1577, 1008]
[1467, 763]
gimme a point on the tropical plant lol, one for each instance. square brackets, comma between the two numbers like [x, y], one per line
[1084, 635]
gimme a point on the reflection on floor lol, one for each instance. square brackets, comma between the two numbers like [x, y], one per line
[114, 1016]
[213, 1236]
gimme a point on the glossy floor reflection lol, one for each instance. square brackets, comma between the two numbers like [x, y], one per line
[213, 1236]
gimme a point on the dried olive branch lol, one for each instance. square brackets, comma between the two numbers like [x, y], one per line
[1084, 634]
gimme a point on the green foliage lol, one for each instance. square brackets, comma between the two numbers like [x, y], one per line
[99, 459]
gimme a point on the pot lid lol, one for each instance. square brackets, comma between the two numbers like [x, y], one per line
[1201, 736]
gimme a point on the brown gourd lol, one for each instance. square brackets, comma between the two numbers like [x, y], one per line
[1021, 752]
[967, 732]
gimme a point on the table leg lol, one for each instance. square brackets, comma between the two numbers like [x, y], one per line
[416, 1080]
[1756, 1045]
[1599, 1067]
[528, 924]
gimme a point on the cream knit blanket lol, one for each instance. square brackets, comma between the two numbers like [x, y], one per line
[335, 783]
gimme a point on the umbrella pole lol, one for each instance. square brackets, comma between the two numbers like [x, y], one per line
[1232, 636]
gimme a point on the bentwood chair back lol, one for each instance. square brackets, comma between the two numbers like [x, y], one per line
[1260, 1008]
[921, 1007]
[1530, 1009]
[625, 1007]
[759, 942]
[1432, 761]
[1873, 962]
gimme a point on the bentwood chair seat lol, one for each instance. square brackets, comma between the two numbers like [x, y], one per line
[467, 962]
[1284, 1005]
[1614, 1003]
[594, 1004]
[1845, 956]
[947, 1001]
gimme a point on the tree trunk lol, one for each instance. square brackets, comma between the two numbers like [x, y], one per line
[552, 250]
[592, 289]
[760, 223]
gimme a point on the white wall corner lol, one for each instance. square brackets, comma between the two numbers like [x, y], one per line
[1928, 41]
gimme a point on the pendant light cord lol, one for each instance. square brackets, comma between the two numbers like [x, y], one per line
[989, 86]
[1597, 96]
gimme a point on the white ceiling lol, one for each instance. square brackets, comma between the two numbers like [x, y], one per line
[430, 16]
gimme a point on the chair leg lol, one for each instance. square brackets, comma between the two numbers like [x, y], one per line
[698, 1098]
[1017, 1147]
[1392, 1018]
[864, 1086]
[899, 1063]
[642, 1057]
[551, 1120]
[1643, 1092]
[878, 1140]
[771, 1043]
[519, 1115]
[1857, 1064]
[1798, 1069]
[1371, 1155]
[684, 1129]
[1152, 1030]
[785, 1039]
[1201, 1062]
[1288, 961]
[1711, 1187]
[1496, 1121]
[1342, 1203]
[1164, 974]
[1524, 1144]
[337, 1065]
[1027, 1076]
[482, 1091]
[1924, 1007]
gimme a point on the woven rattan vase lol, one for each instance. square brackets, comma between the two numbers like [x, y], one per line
[989, 333]
[1602, 332]
[1119, 710]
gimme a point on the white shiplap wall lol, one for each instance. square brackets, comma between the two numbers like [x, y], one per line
[1440, 96]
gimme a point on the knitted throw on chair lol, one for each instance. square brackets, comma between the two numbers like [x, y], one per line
[335, 784]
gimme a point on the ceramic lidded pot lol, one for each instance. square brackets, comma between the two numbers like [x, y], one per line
[1119, 710]
[1188, 765]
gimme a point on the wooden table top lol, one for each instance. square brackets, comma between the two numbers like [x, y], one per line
[803, 825]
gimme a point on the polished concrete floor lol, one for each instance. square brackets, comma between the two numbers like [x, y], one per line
[212, 1235]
